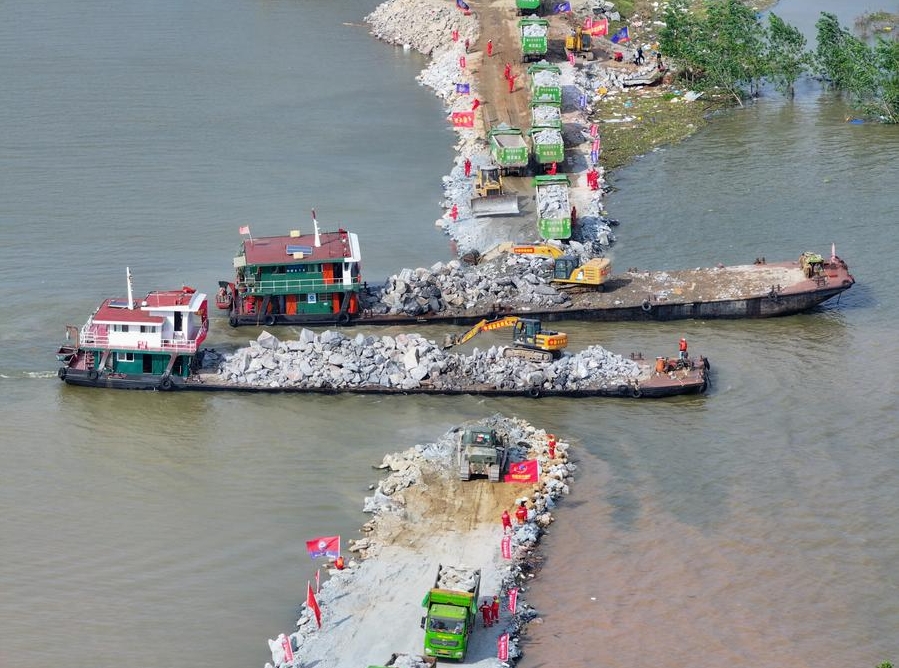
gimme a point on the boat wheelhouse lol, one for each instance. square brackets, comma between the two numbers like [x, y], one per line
[146, 344]
[312, 278]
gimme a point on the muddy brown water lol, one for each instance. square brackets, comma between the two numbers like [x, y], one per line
[756, 524]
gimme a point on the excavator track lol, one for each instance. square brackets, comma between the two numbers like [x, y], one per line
[529, 354]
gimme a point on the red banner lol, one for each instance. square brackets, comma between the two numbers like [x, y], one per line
[502, 647]
[326, 546]
[598, 27]
[463, 119]
[288, 650]
[506, 546]
[513, 600]
[526, 471]
[313, 604]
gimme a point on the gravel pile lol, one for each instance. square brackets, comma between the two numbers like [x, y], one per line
[331, 360]
[425, 27]
[547, 136]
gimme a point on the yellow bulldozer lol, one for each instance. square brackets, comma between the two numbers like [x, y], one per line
[529, 340]
[490, 195]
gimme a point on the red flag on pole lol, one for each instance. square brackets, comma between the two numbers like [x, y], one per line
[326, 546]
[318, 579]
[513, 600]
[526, 471]
[313, 604]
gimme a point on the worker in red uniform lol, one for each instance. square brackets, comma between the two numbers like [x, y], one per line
[487, 613]
[467, 167]
[507, 521]
[456, 35]
[507, 71]
[521, 513]
[682, 347]
[454, 212]
[512, 78]
[494, 609]
[489, 47]
[475, 104]
[552, 169]
[339, 563]
[467, 44]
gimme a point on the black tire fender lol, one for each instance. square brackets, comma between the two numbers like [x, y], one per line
[646, 306]
[623, 390]
[343, 318]
[269, 320]
[534, 392]
[636, 392]
[232, 321]
[61, 372]
[93, 374]
[166, 383]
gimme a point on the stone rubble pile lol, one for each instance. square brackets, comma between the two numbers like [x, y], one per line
[547, 136]
[533, 30]
[545, 78]
[546, 114]
[425, 27]
[513, 281]
[553, 201]
[331, 360]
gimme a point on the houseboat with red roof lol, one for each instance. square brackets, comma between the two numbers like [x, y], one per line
[296, 278]
[147, 344]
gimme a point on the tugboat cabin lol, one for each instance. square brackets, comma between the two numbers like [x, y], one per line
[295, 278]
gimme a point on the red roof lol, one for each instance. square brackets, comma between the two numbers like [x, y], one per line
[273, 250]
[116, 310]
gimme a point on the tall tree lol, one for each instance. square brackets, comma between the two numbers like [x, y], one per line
[786, 55]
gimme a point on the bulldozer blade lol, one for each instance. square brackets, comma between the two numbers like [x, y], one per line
[500, 205]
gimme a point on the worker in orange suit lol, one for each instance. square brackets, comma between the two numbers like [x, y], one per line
[512, 78]
[507, 71]
[507, 521]
[553, 168]
[454, 213]
[494, 609]
[489, 47]
[682, 347]
[521, 513]
[467, 168]
[487, 613]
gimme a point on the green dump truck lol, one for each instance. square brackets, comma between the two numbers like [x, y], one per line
[508, 148]
[545, 82]
[452, 610]
[553, 206]
[527, 6]
[533, 38]
[408, 661]
[547, 147]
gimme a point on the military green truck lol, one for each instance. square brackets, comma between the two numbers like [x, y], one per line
[481, 452]
[508, 149]
[553, 206]
[533, 38]
[400, 660]
[452, 610]
[545, 81]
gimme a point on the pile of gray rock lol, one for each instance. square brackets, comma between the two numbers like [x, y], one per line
[333, 361]
[424, 27]
[513, 281]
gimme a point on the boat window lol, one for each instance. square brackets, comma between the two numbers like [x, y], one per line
[147, 329]
[124, 357]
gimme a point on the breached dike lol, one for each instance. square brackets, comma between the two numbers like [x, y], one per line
[331, 362]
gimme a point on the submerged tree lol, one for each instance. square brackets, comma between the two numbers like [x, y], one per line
[787, 57]
[868, 74]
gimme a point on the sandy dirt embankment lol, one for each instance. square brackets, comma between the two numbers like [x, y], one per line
[423, 515]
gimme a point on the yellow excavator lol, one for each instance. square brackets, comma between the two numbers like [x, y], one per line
[490, 195]
[529, 340]
[579, 43]
[569, 272]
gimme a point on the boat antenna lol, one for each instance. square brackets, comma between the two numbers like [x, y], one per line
[130, 291]
[833, 251]
[318, 239]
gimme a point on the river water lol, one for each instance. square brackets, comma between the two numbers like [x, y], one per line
[758, 524]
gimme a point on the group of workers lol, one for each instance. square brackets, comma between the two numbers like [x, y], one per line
[490, 611]
[521, 516]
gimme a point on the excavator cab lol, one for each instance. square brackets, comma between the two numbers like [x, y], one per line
[564, 267]
[526, 331]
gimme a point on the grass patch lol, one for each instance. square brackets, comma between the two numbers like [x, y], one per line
[632, 124]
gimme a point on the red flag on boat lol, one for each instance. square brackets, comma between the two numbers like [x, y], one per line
[313, 604]
[326, 546]
[244, 230]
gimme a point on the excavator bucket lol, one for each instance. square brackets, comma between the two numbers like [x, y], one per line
[495, 205]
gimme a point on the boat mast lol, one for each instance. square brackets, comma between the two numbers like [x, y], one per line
[130, 292]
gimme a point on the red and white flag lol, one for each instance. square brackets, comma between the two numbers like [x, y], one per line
[326, 546]
[506, 546]
[288, 650]
[502, 647]
[313, 604]
[245, 229]
[513, 600]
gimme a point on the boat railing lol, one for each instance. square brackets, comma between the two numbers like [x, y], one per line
[298, 285]
[93, 338]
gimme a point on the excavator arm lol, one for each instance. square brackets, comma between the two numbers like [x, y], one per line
[484, 325]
